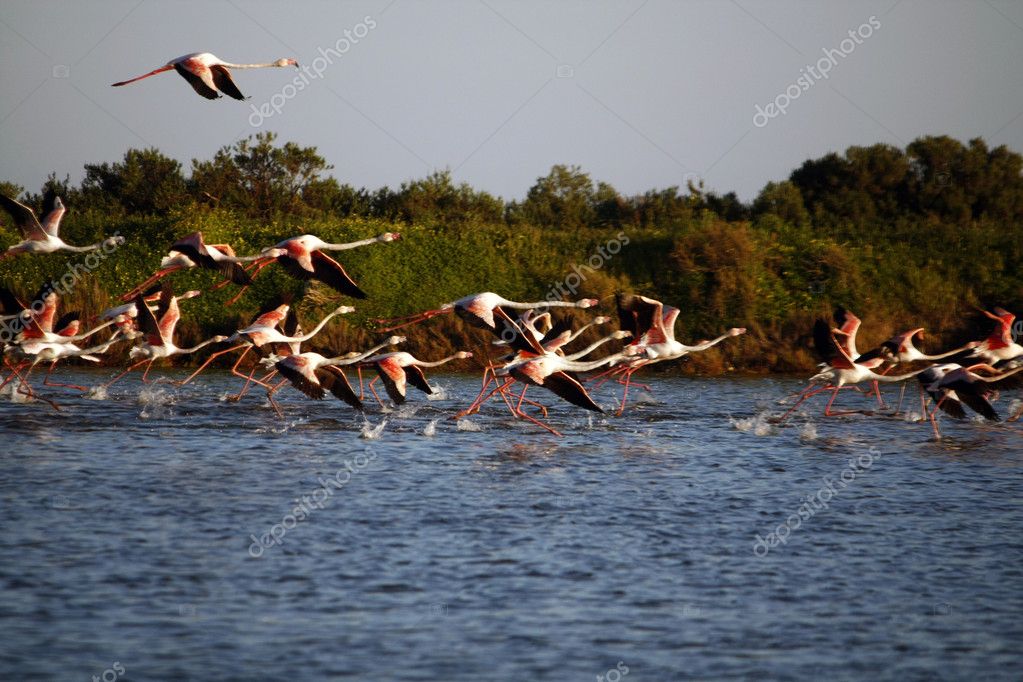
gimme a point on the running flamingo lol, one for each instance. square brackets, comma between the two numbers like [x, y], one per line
[159, 333]
[398, 369]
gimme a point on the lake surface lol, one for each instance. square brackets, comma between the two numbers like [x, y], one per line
[156, 529]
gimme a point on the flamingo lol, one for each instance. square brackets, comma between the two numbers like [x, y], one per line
[840, 370]
[963, 385]
[652, 325]
[303, 258]
[398, 369]
[998, 347]
[159, 333]
[191, 251]
[123, 316]
[263, 331]
[208, 74]
[482, 310]
[900, 350]
[314, 374]
[42, 237]
[555, 373]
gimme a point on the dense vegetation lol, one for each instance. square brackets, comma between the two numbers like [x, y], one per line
[914, 237]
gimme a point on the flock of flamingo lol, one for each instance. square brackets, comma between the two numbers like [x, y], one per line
[534, 344]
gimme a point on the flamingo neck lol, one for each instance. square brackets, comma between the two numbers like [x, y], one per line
[350, 245]
[342, 360]
[186, 351]
[593, 364]
[247, 66]
[589, 349]
[436, 363]
[316, 329]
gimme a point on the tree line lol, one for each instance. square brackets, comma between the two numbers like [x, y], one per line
[919, 236]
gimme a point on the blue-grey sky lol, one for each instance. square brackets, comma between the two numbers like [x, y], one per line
[640, 93]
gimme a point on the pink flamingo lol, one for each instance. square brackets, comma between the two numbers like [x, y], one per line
[191, 251]
[158, 333]
[43, 237]
[398, 369]
[303, 258]
[314, 374]
[208, 74]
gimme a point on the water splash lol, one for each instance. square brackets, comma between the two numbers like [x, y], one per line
[407, 411]
[469, 425]
[370, 432]
[97, 393]
[808, 432]
[431, 428]
[156, 402]
[439, 393]
[756, 424]
[14, 395]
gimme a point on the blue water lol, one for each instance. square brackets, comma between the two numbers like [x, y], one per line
[623, 550]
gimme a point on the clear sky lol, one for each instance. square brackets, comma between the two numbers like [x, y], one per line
[640, 93]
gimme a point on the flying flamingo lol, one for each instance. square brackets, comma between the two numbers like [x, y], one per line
[483, 310]
[314, 374]
[159, 333]
[398, 369]
[43, 237]
[207, 73]
[191, 251]
[303, 258]
[840, 370]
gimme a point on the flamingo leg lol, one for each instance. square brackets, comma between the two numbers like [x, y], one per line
[374, 392]
[807, 393]
[47, 382]
[121, 375]
[145, 374]
[827, 409]
[625, 393]
[396, 323]
[270, 397]
[934, 412]
[213, 356]
[26, 389]
[153, 279]
[537, 422]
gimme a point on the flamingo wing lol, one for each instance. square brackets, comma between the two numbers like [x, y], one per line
[224, 82]
[335, 381]
[167, 313]
[417, 378]
[9, 303]
[146, 322]
[569, 389]
[65, 321]
[330, 272]
[299, 380]
[970, 395]
[25, 218]
[201, 82]
[54, 212]
[393, 377]
[828, 349]
[511, 331]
